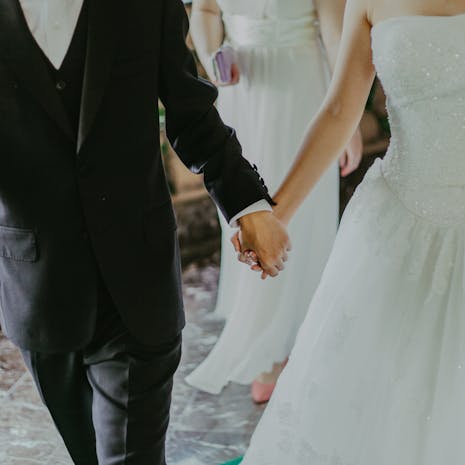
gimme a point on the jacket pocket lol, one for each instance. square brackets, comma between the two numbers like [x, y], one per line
[18, 244]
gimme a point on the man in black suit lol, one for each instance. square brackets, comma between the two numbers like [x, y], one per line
[90, 285]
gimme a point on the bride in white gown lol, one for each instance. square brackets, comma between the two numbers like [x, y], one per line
[377, 376]
[284, 76]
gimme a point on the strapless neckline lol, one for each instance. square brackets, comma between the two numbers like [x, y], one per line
[394, 19]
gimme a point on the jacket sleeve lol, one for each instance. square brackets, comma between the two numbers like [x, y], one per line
[199, 137]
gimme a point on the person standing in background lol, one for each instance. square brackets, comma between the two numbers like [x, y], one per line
[283, 55]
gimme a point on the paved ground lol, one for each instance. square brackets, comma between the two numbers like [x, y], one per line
[205, 430]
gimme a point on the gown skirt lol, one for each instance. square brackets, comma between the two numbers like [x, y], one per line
[377, 375]
[281, 88]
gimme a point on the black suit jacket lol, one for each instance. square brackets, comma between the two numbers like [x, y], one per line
[74, 204]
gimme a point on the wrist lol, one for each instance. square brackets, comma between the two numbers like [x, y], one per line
[251, 218]
[281, 213]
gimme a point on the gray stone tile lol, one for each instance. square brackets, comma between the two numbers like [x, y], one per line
[11, 365]
[21, 461]
[39, 451]
[191, 448]
[232, 411]
[25, 392]
[60, 457]
[59, 461]
[16, 416]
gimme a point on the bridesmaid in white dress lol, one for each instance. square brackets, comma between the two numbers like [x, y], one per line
[377, 376]
[281, 78]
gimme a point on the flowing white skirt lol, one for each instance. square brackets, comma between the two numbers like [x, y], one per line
[280, 91]
[377, 376]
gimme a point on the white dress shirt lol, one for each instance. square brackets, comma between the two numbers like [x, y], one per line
[52, 23]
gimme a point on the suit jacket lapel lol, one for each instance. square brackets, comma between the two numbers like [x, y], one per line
[23, 55]
[105, 23]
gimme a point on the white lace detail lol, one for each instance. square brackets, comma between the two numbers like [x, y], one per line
[294, 446]
[408, 234]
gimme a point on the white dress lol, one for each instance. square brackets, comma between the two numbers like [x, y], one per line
[377, 376]
[284, 80]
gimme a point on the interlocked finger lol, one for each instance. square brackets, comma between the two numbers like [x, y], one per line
[280, 265]
[250, 258]
[242, 258]
[270, 268]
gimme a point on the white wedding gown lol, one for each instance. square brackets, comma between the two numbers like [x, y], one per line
[284, 80]
[377, 376]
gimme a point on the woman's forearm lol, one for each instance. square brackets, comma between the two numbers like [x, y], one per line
[207, 31]
[328, 135]
[334, 125]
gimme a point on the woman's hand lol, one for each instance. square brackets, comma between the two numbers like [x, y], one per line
[207, 31]
[235, 77]
[334, 126]
[262, 243]
[352, 156]
[249, 257]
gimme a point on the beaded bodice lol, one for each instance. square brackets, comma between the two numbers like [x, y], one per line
[421, 63]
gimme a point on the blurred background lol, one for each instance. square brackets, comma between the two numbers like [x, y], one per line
[205, 429]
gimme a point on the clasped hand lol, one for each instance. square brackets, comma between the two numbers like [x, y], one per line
[262, 243]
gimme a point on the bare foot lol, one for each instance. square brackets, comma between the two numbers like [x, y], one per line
[263, 386]
[272, 377]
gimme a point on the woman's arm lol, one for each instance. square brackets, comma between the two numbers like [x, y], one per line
[207, 31]
[331, 18]
[335, 123]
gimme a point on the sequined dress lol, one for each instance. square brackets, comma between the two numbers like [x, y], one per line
[377, 376]
[283, 82]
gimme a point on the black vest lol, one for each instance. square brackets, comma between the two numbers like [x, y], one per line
[70, 76]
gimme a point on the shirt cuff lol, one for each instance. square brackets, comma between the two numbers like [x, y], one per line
[260, 206]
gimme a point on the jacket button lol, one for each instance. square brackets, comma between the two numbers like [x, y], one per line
[103, 198]
[61, 85]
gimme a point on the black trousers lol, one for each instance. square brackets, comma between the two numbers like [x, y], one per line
[111, 401]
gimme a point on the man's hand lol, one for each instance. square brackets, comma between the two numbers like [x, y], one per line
[352, 156]
[266, 236]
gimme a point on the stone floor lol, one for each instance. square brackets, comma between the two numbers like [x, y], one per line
[205, 430]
